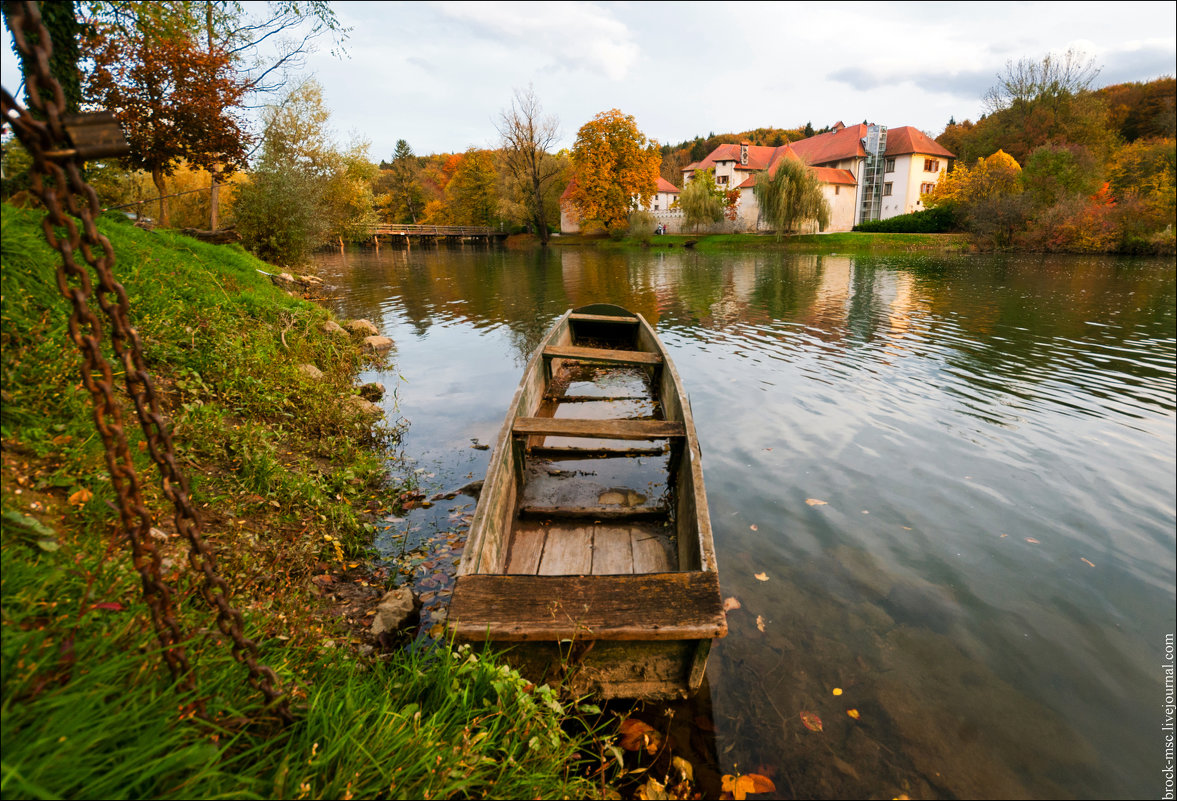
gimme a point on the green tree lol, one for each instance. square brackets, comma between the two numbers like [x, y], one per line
[615, 167]
[61, 21]
[527, 136]
[472, 195]
[1054, 172]
[702, 202]
[790, 197]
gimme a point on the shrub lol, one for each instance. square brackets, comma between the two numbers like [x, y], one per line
[932, 221]
[641, 225]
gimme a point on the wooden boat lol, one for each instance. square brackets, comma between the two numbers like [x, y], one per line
[590, 553]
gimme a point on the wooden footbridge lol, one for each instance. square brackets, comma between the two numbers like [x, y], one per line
[436, 234]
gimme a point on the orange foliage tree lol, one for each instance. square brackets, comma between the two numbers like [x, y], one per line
[615, 168]
[174, 100]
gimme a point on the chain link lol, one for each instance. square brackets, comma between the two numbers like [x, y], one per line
[58, 181]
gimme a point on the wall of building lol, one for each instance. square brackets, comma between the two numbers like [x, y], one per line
[906, 179]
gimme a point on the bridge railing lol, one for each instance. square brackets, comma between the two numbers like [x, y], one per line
[434, 230]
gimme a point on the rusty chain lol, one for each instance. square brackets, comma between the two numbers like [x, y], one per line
[55, 159]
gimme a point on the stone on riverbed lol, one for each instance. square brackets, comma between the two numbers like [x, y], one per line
[332, 327]
[377, 344]
[396, 608]
[355, 405]
[362, 328]
[372, 391]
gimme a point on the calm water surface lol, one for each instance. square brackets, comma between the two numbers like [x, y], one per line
[989, 578]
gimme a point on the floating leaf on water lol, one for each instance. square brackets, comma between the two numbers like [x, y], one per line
[760, 622]
[80, 497]
[753, 527]
[853, 713]
[437, 631]
[1088, 561]
[761, 577]
[815, 502]
[1032, 541]
[811, 721]
[730, 603]
[837, 691]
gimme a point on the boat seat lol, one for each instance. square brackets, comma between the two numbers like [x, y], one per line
[598, 429]
[601, 355]
[602, 318]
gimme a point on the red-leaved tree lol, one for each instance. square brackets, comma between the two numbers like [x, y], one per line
[174, 99]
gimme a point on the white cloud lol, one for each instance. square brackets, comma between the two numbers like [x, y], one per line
[574, 36]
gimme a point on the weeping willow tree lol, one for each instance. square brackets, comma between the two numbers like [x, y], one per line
[701, 200]
[790, 197]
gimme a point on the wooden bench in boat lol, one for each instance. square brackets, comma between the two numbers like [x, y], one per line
[598, 429]
[601, 355]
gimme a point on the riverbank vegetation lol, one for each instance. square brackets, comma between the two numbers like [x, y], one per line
[286, 478]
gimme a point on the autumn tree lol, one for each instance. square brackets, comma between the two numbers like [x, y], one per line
[406, 200]
[987, 197]
[174, 99]
[527, 135]
[790, 196]
[615, 168]
[471, 195]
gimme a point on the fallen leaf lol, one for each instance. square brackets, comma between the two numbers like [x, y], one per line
[80, 497]
[811, 721]
[762, 577]
[684, 768]
[853, 713]
[760, 622]
[652, 790]
[730, 603]
[837, 691]
[750, 783]
[110, 606]
[753, 527]
[636, 735]
[815, 502]
[1088, 561]
[1032, 540]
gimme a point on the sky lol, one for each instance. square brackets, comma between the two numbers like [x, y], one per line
[438, 74]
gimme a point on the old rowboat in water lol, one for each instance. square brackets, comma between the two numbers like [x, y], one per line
[590, 555]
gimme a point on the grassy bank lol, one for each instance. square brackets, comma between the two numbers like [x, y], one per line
[844, 243]
[286, 479]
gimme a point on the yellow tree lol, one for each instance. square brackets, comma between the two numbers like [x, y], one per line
[615, 169]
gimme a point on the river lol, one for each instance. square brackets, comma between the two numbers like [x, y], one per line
[956, 474]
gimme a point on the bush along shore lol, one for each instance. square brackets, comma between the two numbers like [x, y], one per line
[288, 468]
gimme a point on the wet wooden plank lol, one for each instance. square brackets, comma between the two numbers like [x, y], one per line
[568, 552]
[662, 606]
[601, 355]
[652, 553]
[527, 547]
[602, 318]
[594, 512]
[598, 429]
[551, 452]
[612, 551]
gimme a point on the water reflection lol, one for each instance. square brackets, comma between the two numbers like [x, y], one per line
[991, 570]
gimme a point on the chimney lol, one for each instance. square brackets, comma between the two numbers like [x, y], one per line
[744, 153]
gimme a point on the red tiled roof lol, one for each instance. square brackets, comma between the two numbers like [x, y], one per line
[904, 140]
[666, 186]
[568, 190]
[829, 175]
[845, 143]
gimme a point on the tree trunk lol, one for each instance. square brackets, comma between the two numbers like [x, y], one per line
[157, 177]
[214, 201]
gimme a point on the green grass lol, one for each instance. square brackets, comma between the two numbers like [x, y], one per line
[849, 242]
[285, 481]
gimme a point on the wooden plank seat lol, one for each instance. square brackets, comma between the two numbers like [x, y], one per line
[602, 355]
[598, 429]
[601, 318]
[597, 512]
[651, 606]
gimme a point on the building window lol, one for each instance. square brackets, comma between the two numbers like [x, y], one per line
[721, 179]
[837, 190]
[931, 165]
[926, 188]
[890, 165]
[887, 190]
[655, 207]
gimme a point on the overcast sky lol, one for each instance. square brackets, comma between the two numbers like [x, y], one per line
[437, 74]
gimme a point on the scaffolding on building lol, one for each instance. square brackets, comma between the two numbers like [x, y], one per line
[873, 173]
